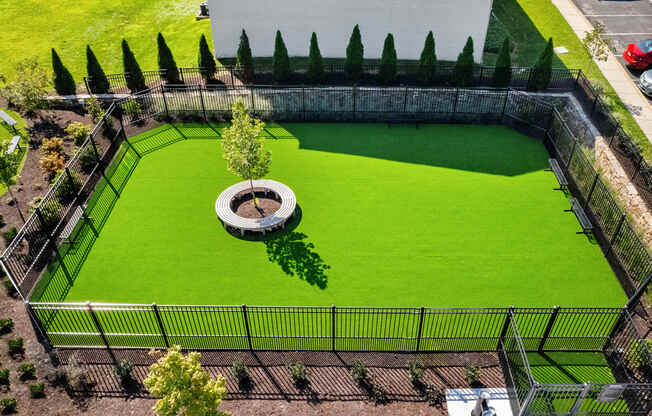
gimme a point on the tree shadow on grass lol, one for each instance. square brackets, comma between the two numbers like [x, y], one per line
[297, 257]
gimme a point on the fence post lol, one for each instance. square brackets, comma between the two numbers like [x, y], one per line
[303, 101]
[181, 71]
[87, 88]
[528, 399]
[570, 158]
[405, 99]
[639, 292]
[333, 328]
[165, 102]
[39, 326]
[457, 96]
[232, 78]
[551, 323]
[355, 93]
[97, 154]
[508, 319]
[588, 198]
[160, 325]
[638, 167]
[11, 278]
[253, 104]
[505, 103]
[203, 107]
[246, 321]
[482, 75]
[595, 103]
[613, 239]
[580, 399]
[99, 328]
[421, 311]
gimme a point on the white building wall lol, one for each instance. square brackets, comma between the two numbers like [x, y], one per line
[451, 21]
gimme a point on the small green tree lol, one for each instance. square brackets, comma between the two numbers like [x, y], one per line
[166, 61]
[29, 90]
[242, 144]
[503, 71]
[543, 69]
[596, 43]
[97, 81]
[428, 61]
[205, 60]
[245, 58]
[388, 61]
[464, 66]
[64, 84]
[8, 164]
[281, 60]
[354, 56]
[133, 73]
[315, 62]
[183, 387]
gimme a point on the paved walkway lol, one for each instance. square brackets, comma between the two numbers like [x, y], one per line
[614, 72]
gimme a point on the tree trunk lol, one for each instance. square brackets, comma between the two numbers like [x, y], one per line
[16, 202]
[253, 194]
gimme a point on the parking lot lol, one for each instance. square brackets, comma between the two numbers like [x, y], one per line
[625, 21]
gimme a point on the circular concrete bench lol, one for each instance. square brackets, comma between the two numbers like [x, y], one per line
[278, 219]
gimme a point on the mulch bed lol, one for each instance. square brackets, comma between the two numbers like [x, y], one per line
[243, 204]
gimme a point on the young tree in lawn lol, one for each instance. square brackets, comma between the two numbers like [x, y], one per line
[206, 60]
[243, 147]
[133, 73]
[245, 58]
[166, 61]
[428, 61]
[354, 56]
[281, 60]
[388, 61]
[503, 71]
[97, 80]
[315, 62]
[64, 84]
[183, 387]
[543, 68]
[8, 163]
[464, 66]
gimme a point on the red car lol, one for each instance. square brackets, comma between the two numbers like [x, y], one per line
[639, 55]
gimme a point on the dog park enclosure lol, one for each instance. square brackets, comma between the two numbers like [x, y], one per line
[452, 22]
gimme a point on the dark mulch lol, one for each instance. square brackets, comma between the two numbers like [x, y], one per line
[243, 204]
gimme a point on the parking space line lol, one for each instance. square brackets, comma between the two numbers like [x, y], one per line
[618, 15]
[627, 34]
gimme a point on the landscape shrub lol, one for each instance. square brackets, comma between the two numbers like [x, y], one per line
[472, 374]
[464, 66]
[9, 235]
[206, 60]
[64, 84]
[78, 132]
[57, 377]
[428, 61]
[8, 405]
[97, 80]
[503, 71]
[69, 186]
[123, 370]
[94, 108]
[10, 290]
[77, 376]
[316, 62]
[133, 73]
[299, 374]
[51, 163]
[6, 325]
[388, 61]
[245, 59]
[4, 377]
[543, 69]
[241, 373]
[27, 371]
[88, 159]
[281, 60]
[50, 214]
[29, 89]
[132, 109]
[15, 346]
[37, 390]
[416, 370]
[359, 372]
[52, 145]
[2, 221]
[166, 61]
[354, 56]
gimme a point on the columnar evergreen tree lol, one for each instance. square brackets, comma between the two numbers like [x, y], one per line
[166, 61]
[543, 68]
[245, 58]
[354, 56]
[464, 66]
[387, 73]
[64, 84]
[205, 60]
[281, 60]
[97, 81]
[503, 72]
[133, 73]
[315, 62]
[428, 61]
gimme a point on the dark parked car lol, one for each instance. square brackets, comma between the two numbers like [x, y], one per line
[639, 55]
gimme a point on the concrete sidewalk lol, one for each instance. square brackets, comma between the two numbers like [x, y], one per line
[617, 76]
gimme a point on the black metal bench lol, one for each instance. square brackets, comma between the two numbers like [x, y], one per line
[584, 220]
[559, 174]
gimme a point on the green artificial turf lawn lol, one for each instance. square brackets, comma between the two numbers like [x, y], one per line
[7, 133]
[442, 215]
[32, 27]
